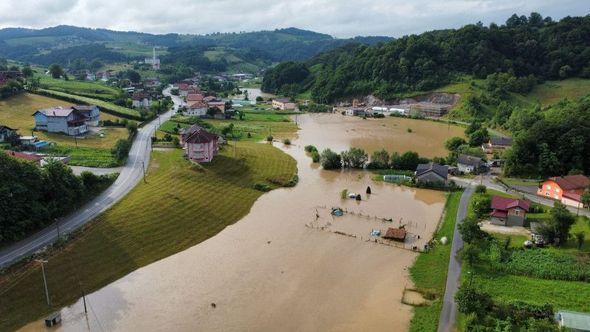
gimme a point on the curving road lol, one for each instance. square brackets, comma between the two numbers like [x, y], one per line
[130, 175]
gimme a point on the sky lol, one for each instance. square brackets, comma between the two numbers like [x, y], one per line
[339, 18]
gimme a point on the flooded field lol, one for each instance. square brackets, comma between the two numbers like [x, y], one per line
[391, 133]
[271, 271]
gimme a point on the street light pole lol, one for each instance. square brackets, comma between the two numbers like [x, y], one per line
[45, 281]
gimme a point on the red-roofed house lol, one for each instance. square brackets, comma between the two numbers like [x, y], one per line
[197, 108]
[201, 145]
[567, 189]
[194, 97]
[508, 211]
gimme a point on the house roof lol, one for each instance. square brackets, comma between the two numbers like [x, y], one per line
[441, 170]
[140, 96]
[194, 97]
[283, 100]
[6, 127]
[55, 111]
[395, 233]
[504, 203]
[571, 182]
[198, 104]
[574, 320]
[501, 141]
[210, 98]
[469, 160]
[84, 107]
[198, 134]
[23, 156]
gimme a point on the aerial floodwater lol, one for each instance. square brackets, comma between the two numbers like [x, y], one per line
[289, 265]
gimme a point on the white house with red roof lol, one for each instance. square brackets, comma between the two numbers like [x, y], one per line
[199, 144]
[197, 108]
[508, 211]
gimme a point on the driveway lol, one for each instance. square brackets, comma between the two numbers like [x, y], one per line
[130, 175]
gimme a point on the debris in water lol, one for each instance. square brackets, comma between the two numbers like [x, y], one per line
[358, 197]
[213, 305]
[268, 242]
[368, 190]
[337, 212]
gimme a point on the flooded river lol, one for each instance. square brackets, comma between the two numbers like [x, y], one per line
[271, 271]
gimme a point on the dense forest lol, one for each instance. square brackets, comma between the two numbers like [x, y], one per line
[523, 46]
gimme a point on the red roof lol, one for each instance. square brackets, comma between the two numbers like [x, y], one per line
[198, 104]
[197, 134]
[499, 214]
[571, 182]
[395, 234]
[24, 156]
[505, 203]
[194, 97]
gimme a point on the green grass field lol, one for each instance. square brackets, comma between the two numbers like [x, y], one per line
[81, 88]
[552, 92]
[106, 107]
[192, 200]
[429, 272]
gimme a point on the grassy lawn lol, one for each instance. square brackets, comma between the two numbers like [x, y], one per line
[16, 112]
[104, 106]
[82, 156]
[429, 272]
[180, 205]
[81, 88]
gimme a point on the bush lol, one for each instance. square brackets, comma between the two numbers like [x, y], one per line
[262, 187]
[310, 148]
[315, 157]
[330, 159]
[354, 158]
[269, 138]
[287, 141]
[121, 149]
[480, 189]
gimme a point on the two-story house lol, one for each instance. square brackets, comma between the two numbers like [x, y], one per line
[61, 120]
[567, 189]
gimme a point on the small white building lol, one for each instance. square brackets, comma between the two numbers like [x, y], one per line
[197, 108]
[140, 100]
[283, 104]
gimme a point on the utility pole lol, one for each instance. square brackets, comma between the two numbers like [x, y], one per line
[143, 169]
[42, 261]
[84, 299]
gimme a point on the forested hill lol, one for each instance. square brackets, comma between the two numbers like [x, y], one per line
[64, 43]
[533, 47]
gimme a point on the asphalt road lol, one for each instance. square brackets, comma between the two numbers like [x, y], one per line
[130, 175]
[448, 314]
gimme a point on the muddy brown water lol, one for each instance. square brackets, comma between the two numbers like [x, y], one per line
[270, 272]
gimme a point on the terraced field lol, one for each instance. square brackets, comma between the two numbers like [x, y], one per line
[81, 88]
[181, 205]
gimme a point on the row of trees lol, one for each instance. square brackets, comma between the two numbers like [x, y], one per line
[32, 197]
[535, 49]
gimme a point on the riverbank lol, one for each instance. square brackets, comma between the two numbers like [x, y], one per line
[180, 205]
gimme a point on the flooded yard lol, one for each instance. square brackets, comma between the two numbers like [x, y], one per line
[394, 134]
[271, 271]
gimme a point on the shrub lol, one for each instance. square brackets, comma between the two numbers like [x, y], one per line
[330, 159]
[344, 194]
[315, 157]
[269, 138]
[262, 187]
[287, 141]
[480, 189]
[310, 148]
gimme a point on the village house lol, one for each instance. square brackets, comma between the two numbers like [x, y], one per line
[217, 104]
[470, 164]
[199, 144]
[209, 99]
[508, 211]
[496, 143]
[432, 173]
[141, 100]
[39, 159]
[6, 133]
[283, 104]
[193, 97]
[151, 83]
[567, 189]
[355, 111]
[197, 108]
[185, 89]
[91, 112]
[61, 120]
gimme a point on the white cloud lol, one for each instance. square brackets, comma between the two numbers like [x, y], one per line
[342, 18]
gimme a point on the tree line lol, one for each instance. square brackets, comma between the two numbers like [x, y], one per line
[32, 197]
[533, 48]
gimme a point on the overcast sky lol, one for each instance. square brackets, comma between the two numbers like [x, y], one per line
[340, 18]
